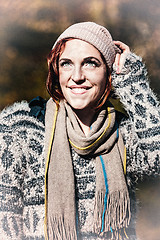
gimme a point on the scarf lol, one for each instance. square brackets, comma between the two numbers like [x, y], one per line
[104, 142]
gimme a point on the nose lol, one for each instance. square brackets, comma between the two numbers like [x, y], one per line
[77, 74]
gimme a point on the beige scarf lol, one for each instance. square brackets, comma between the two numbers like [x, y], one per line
[104, 139]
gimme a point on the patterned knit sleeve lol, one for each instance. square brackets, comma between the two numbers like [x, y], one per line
[21, 174]
[141, 131]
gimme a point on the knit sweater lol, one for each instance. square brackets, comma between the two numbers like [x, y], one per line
[22, 163]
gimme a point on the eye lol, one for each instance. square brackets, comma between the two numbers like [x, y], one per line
[65, 64]
[91, 64]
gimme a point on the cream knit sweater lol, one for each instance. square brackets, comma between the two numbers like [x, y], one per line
[22, 163]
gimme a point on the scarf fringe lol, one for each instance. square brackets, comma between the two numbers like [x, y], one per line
[60, 230]
[117, 214]
[119, 234]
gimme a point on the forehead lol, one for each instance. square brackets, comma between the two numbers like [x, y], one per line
[79, 48]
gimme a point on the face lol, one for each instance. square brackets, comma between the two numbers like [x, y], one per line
[82, 74]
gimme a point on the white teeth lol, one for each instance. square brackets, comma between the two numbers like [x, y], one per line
[78, 90]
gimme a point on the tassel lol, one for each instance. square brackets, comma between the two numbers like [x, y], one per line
[60, 230]
[117, 214]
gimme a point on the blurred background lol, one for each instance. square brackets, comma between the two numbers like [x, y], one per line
[28, 29]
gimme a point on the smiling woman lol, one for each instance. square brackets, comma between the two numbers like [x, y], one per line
[96, 136]
[82, 77]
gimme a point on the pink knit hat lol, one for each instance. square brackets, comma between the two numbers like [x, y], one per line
[94, 34]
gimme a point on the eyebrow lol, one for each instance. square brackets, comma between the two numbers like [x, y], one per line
[91, 58]
[84, 60]
[64, 59]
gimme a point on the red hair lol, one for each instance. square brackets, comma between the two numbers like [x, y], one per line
[52, 83]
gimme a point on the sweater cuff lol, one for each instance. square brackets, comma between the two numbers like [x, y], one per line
[132, 62]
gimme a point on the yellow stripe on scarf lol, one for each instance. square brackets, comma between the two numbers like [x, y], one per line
[46, 171]
[84, 148]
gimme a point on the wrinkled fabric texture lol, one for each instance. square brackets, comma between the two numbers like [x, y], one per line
[61, 211]
[85, 182]
[22, 152]
[94, 34]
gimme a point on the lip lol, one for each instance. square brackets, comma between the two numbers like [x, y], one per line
[79, 89]
[79, 86]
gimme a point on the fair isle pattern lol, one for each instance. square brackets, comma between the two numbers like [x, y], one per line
[22, 152]
[21, 174]
[85, 183]
[142, 129]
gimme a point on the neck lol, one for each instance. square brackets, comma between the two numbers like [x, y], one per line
[85, 118]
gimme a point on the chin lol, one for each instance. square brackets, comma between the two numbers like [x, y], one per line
[81, 107]
[78, 107]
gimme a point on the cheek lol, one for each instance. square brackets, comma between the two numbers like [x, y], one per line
[62, 79]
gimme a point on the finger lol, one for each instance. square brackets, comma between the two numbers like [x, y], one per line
[122, 46]
[117, 59]
[121, 62]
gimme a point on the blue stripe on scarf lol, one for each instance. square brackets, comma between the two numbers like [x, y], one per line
[106, 194]
[106, 185]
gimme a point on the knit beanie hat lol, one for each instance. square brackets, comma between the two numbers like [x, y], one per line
[94, 34]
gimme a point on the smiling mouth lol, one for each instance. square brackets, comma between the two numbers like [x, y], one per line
[79, 90]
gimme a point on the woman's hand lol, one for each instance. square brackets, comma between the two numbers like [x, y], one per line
[120, 58]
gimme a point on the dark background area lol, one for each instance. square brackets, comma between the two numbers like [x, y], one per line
[28, 29]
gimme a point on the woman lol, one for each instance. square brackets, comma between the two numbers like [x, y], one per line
[95, 148]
